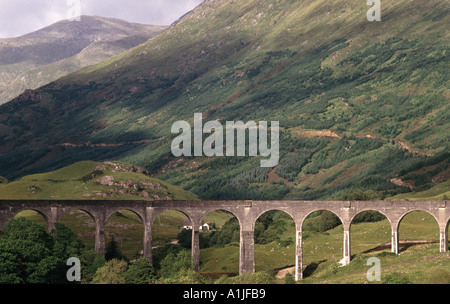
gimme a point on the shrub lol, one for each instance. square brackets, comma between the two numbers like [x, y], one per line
[326, 221]
[287, 242]
[91, 261]
[140, 272]
[185, 276]
[229, 233]
[112, 272]
[185, 239]
[161, 252]
[112, 251]
[172, 264]
[368, 217]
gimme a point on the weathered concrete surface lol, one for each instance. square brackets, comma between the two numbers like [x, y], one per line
[247, 212]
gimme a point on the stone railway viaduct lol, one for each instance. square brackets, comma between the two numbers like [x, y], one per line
[247, 212]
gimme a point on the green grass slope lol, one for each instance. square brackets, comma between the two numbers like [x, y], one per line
[93, 180]
[358, 102]
[438, 192]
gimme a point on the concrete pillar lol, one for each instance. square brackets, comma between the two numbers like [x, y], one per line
[148, 224]
[52, 219]
[347, 248]
[394, 239]
[195, 248]
[247, 252]
[148, 241]
[299, 256]
[100, 234]
[443, 240]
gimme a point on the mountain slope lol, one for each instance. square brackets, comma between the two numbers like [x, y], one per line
[35, 59]
[357, 101]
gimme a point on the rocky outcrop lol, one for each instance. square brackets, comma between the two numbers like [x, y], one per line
[143, 188]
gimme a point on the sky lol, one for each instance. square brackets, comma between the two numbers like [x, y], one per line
[19, 17]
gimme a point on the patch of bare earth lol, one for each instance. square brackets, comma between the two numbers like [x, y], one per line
[404, 146]
[398, 182]
[283, 272]
[315, 133]
[273, 176]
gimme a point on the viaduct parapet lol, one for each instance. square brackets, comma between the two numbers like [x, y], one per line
[247, 212]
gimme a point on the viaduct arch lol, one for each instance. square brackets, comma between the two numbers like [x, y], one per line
[247, 212]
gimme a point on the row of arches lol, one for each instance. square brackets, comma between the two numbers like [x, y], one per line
[127, 227]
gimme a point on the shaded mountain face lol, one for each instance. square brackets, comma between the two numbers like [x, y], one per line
[35, 59]
[362, 106]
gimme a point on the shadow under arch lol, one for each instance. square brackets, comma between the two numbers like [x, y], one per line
[275, 241]
[417, 227]
[82, 223]
[129, 210]
[126, 228]
[221, 254]
[370, 232]
[322, 239]
[33, 215]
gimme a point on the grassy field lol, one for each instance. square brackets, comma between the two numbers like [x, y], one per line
[440, 191]
[421, 264]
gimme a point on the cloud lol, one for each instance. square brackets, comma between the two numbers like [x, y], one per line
[18, 17]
